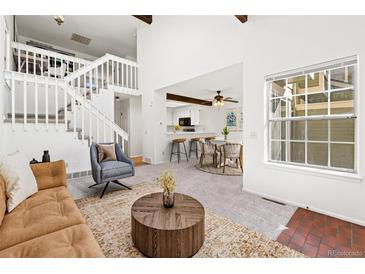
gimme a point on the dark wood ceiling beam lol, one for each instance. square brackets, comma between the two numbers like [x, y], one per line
[191, 100]
[145, 18]
[242, 18]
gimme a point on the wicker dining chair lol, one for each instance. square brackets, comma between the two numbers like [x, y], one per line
[233, 152]
[208, 149]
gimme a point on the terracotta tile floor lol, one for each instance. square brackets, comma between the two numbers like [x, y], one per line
[318, 235]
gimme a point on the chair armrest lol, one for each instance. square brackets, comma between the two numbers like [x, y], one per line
[95, 166]
[49, 175]
[121, 157]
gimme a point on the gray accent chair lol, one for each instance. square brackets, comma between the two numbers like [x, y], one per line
[110, 171]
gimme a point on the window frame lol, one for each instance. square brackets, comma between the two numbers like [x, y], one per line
[322, 67]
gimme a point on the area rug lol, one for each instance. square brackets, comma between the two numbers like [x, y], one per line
[109, 220]
[230, 171]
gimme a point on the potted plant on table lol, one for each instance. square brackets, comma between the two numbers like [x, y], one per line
[225, 132]
[177, 128]
[168, 183]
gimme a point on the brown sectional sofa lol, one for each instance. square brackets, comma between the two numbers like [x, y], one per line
[47, 224]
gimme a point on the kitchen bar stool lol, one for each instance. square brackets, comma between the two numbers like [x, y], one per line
[194, 146]
[178, 142]
[209, 138]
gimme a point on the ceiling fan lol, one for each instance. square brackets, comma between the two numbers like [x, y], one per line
[219, 99]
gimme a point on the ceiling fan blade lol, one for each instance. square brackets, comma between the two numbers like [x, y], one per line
[230, 100]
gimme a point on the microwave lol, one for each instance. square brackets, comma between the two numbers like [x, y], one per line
[185, 121]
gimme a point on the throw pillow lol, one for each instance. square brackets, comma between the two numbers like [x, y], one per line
[19, 180]
[106, 152]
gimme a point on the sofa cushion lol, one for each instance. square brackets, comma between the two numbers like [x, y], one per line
[2, 199]
[19, 179]
[75, 241]
[48, 175]
[44, 212]
[114, 168]
[106, 152]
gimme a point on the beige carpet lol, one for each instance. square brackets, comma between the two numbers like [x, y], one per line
[230, 170]
[109, 220]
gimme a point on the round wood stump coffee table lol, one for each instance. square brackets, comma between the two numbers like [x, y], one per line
[176, 232]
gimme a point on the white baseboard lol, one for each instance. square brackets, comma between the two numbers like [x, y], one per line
[325, 212]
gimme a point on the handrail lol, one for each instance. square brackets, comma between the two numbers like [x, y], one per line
[98, 62]
[108, 70]
[81, 99]
[85, 69]
[57, 55]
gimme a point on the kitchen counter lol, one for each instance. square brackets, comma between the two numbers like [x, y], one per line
[191, 133]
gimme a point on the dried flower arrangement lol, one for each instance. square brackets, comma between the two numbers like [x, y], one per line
[167, 181]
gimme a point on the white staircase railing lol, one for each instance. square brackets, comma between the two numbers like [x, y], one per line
[95, 118]
[105, 72]
[62, 107]
[48, 87]
[37, 61]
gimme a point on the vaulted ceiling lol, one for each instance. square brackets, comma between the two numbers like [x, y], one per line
[114, 34]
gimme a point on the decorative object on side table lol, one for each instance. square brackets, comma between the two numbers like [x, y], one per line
[168, 183]
[34, 161]
[225, 132]
[46, 157]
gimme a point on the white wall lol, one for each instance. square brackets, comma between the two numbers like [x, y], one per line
[177, 48]
[213, 120]
[61, 145]
[135, 126]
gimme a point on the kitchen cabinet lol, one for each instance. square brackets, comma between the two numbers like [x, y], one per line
[193, 112]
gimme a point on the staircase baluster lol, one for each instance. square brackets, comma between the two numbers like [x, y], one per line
[46, 98]
[118, 72]
[13, 100]
[97, 80]
[25, 100]
[48, 65]
[36, 102]
[107, 74]
[26, 61]
[65, 108]
[122, 75]
[34, 61]
[90, 127]
[102, 75]
[62, 72]
[41, 65]
[56, 104]
[19, 53]
[55, 67]
[74, 112]
[82, 112]
[91, 85]
[112, 72]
